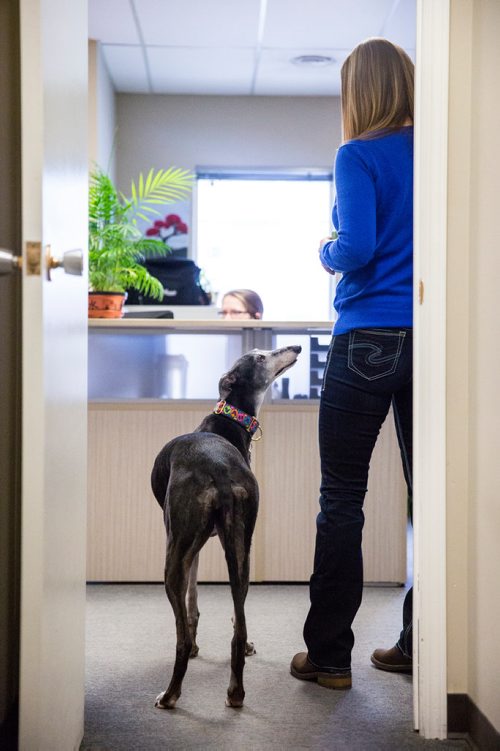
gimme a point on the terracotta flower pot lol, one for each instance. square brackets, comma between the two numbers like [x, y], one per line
[106, 304]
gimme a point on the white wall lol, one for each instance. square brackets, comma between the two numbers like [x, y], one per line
[457, 333]
[473, 404]
[102, 112]
[484, 511]
[190, 131]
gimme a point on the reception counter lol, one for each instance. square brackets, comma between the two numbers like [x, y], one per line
[153, 379]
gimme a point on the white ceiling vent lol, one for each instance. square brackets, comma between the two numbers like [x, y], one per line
[313, 61]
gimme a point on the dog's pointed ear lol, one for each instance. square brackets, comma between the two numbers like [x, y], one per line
[226, 382]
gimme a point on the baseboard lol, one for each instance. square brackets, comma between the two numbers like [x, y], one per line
[465, 717]
[8, 729]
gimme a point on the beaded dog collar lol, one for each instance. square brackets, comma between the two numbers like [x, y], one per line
[249, 423]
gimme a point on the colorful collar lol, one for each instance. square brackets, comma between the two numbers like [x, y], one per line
[249, 423]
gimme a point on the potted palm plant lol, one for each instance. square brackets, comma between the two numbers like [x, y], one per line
[116, 244]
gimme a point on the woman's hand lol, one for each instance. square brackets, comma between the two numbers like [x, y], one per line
[322, 243]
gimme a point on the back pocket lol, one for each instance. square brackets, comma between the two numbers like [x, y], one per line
[374, 353]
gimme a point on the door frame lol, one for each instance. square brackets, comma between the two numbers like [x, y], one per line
[10, 359]
[430, 263]
[431, 153]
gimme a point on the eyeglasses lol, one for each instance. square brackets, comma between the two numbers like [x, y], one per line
[224, 313]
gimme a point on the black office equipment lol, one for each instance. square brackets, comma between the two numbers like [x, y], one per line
[180, 278]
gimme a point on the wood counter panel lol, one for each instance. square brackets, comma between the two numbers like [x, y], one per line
[126, 537]
[289, 477]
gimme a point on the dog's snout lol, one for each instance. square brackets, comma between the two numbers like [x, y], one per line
[296, 348]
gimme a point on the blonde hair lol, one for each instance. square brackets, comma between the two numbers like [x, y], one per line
[377, 82]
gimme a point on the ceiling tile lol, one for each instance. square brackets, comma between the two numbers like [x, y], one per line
[127, 68]
[112, 22]
[278, 75]
[323, 23]
[198, 23]
[200, 47]
[201, 71]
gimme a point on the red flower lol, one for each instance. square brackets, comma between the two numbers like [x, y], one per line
[172, 222]
[172, 219]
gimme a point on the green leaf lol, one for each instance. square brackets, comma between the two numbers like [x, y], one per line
[116, 246]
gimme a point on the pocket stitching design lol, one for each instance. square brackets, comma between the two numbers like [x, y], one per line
[352, 346]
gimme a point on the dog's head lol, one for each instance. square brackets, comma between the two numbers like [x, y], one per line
[251, 375]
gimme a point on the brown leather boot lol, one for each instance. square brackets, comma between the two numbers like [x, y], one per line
[392, 660]
[304, 670]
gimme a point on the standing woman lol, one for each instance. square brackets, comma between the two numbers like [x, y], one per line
[369, 365]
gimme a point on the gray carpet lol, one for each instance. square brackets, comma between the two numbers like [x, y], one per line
[130, 652]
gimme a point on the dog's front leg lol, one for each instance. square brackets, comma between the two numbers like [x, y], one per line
[238, 575]
[193, 613]
[235, 692]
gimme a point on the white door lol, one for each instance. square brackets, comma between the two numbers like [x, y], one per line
[54, 367]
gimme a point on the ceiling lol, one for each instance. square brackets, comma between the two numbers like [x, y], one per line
[239, 47]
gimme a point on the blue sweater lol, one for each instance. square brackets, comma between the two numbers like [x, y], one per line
[373, 215]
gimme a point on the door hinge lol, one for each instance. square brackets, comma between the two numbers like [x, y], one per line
[420, 292]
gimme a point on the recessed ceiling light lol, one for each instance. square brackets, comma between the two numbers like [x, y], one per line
[314, 61]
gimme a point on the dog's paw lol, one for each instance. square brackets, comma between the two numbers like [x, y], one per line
[194, 651]
[233, 702]
[250, 649]
[161, 701]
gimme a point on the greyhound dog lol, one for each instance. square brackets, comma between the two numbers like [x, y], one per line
[205, 486]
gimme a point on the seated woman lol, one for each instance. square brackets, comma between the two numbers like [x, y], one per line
[241, 303]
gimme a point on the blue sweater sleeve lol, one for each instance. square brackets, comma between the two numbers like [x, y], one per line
[355, 211]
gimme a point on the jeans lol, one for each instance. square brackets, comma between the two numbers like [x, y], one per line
[367, 370]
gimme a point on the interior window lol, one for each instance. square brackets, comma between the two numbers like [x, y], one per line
[261, 231]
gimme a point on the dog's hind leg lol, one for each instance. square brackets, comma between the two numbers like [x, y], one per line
[249, 646]
[193, 614]
[176, 583]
